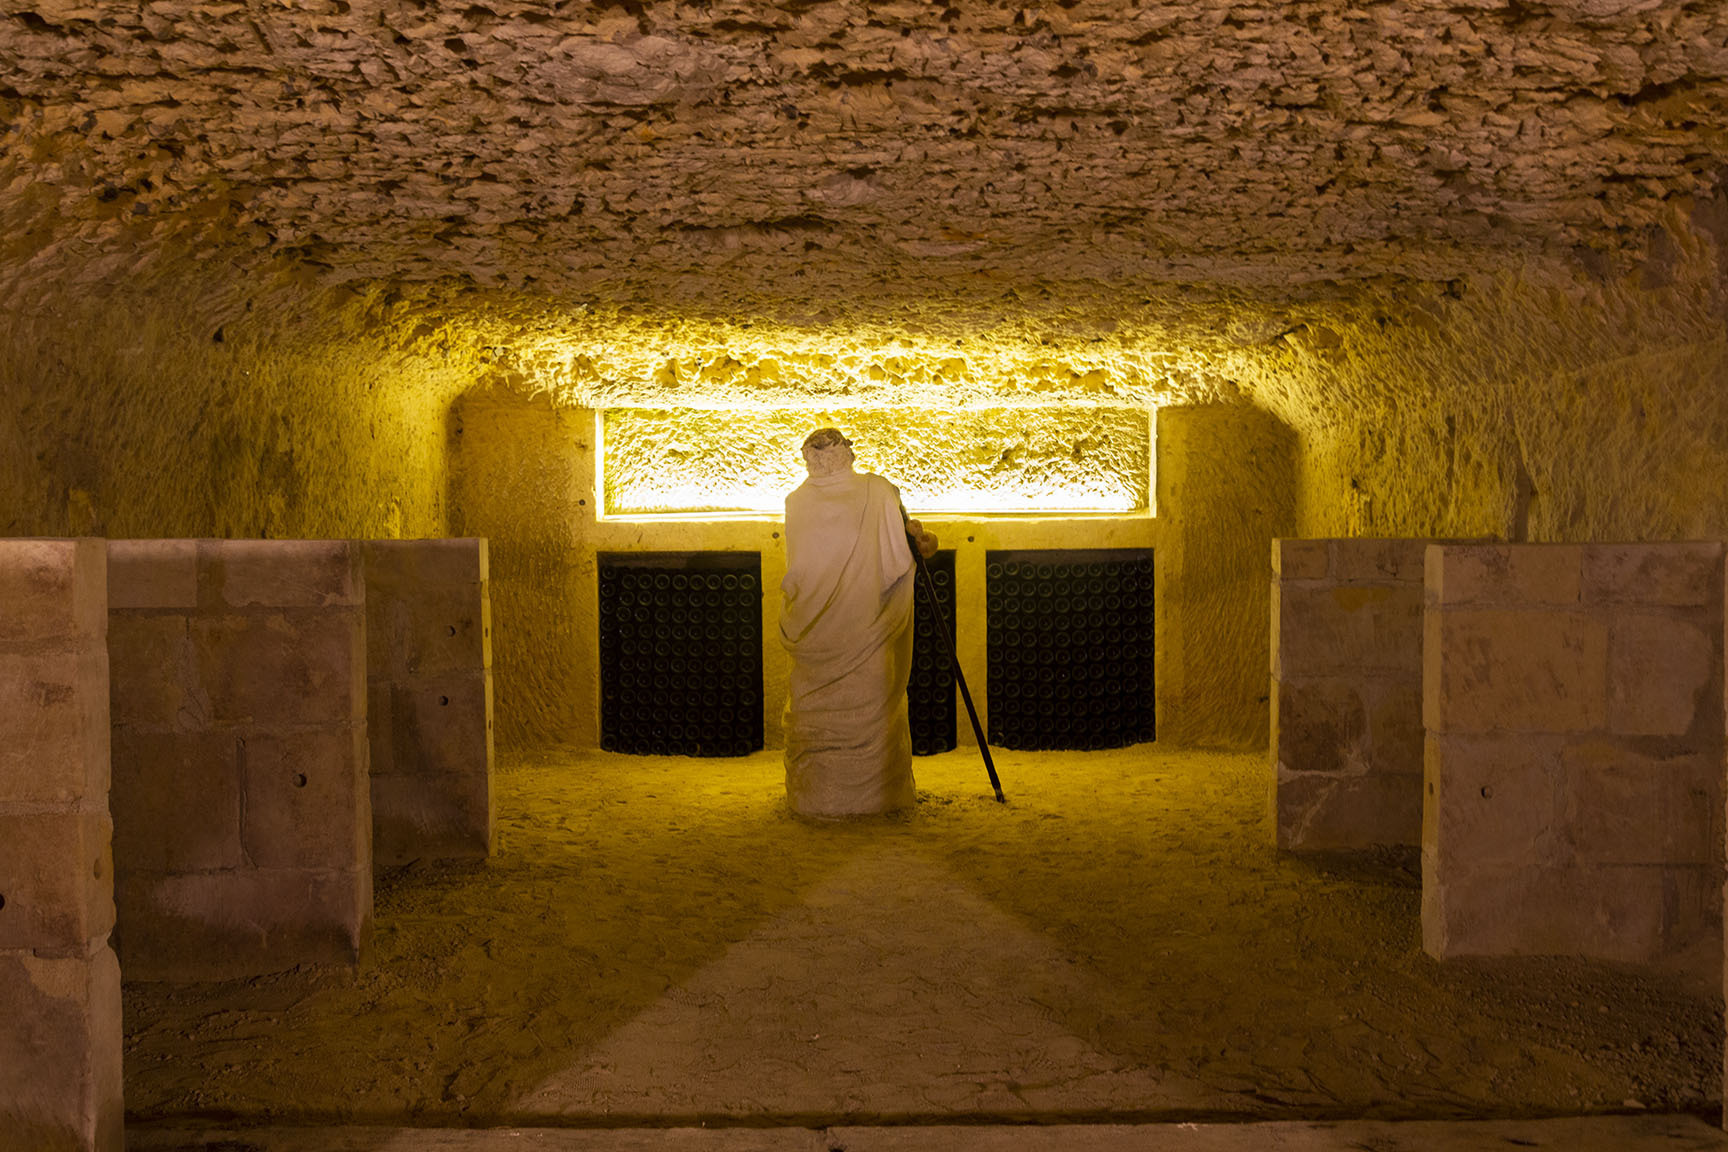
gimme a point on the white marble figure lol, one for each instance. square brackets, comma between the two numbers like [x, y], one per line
[847, 623]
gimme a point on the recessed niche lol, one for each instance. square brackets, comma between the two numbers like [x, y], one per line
[1070, 635]
[930, 693]
[992, 461]
[681, 652]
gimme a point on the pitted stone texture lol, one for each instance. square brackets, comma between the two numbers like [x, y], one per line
[1346, 692]
[511, 141]
[1574, 707]
[60, 1042]
[429, 683]
[240, 747]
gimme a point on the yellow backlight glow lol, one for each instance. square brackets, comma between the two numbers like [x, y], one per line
[990, 461]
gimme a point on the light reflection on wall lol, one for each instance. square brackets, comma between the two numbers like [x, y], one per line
[992, 461]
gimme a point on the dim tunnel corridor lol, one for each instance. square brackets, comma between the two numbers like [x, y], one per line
[658, 943]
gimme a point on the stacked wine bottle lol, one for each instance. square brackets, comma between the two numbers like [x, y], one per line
[1070, 649]
[680, 659]
[930, 693]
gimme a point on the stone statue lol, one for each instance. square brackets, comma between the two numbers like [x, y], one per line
[847, 623]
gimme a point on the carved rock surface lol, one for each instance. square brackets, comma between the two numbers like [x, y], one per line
[815, 146]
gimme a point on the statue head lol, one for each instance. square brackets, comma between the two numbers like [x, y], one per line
[827, 451]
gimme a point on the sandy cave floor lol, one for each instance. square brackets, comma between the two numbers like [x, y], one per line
[657, 940]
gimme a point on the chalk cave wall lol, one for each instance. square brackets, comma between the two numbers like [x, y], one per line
[1581, 409]
[179, 401]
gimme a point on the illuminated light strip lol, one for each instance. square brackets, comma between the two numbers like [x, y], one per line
[706, 464]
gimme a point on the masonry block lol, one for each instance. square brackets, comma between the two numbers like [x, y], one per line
[54, 725]
[1611, 913]
[1395, 718]
[1663, 673]
[418, 564]
[243, 843]
[439, 727]
[1624, 807]
[281, 668]
[154, 675]
[1301, 559]
[1326, 811]
[306, 799]
[1501, 797]
[430, 698]
[1321, 726]
[1331, 628]
[281, 573]
[1678, 575]
[1346, 693]
[193, 926]
[60, 1040]
[153, 574]
[54, 591]
[60, 1043]
[451, 822]
[1379, 561]
[1519, 670]
[178, 794]
[1508, 575]
[1573, 787]
[57, 880]
[430, 631]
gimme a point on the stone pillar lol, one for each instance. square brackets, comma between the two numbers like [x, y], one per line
[244, 838]
[1573, 697]
[60, 1036]
[429, 706]
[1347, 692]
[522, 476]
[1226, 490]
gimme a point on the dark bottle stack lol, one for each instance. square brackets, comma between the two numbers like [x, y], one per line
[1070, 651]
[930, 692]
[680, 660]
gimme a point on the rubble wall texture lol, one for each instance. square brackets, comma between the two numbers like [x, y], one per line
[60, 1038]
[429, 699]
[1573, 700]
[244, 839]
[1347, 692]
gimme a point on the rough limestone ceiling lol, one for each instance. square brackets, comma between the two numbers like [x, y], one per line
[584, 143]
[971, 198]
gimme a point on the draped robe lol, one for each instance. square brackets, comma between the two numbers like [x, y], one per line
[847, 623]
